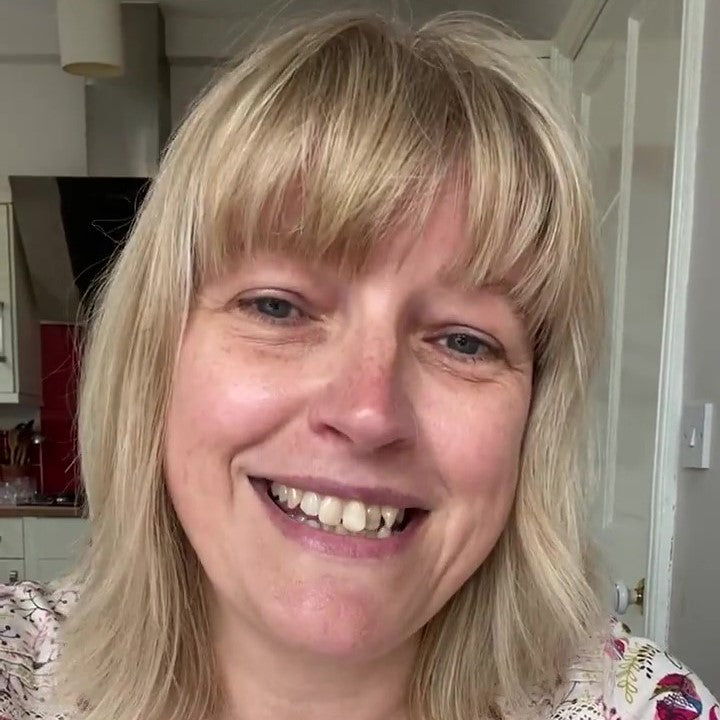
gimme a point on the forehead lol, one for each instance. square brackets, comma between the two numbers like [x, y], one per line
[429, 247]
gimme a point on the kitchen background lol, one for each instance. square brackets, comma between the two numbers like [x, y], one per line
[76, 153]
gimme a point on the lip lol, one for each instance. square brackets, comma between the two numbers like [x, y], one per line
[341, 546]
[343, 491]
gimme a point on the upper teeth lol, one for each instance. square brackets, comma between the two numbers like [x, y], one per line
[352, 515]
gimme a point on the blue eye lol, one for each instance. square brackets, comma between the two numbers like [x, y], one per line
[470, 346]
[274, 307]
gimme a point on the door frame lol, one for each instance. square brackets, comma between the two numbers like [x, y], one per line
[571, 35]
[666, 463]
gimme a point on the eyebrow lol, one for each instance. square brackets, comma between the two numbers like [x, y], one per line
[501, 288]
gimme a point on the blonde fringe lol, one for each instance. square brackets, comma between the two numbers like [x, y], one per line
[319, 142]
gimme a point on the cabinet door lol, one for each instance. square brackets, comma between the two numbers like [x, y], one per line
[52, 546]
[45, 570]
[11, 571]
[7, 370]
[11, 538]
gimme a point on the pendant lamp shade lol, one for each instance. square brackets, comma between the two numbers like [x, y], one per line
[90, 34]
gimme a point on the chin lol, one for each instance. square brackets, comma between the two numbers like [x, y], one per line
[335, 622]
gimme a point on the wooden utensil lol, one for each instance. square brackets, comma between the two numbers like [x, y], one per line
[19, 439]
[12, 444]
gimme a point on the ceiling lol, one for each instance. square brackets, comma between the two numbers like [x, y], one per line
[533, 19]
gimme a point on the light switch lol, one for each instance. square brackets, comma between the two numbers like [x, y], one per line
[696, 436]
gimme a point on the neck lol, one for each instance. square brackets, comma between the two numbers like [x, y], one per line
[264, 680]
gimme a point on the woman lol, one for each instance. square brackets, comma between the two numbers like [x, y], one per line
[332, 410]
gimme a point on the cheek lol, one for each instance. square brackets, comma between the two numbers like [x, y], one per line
[479, 442]
[222, 401]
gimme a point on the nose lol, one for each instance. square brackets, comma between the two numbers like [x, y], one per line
[364, 402]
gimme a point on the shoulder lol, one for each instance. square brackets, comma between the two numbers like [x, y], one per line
[30, 619]
[649, 683]
[631, 678]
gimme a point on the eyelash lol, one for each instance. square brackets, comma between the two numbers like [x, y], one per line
[250, 306]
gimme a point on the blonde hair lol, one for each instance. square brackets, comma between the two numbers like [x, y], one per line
[319, 142]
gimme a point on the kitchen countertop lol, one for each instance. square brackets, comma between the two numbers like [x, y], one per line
[50, 511]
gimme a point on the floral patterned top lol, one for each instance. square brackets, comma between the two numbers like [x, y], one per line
[620, 678]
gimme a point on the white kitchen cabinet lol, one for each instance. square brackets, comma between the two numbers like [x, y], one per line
[39, 548]
[12, 544]
[52, 546]
[19, 326]
[12, 563]
[12, 570]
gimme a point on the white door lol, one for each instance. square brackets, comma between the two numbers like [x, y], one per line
[626, 79]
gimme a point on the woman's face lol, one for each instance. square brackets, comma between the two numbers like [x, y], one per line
[395, 389]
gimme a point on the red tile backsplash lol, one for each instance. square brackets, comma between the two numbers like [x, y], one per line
[57, 415]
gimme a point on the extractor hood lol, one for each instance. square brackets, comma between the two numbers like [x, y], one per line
[71, 227]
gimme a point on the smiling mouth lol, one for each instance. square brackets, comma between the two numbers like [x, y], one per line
[331, 514]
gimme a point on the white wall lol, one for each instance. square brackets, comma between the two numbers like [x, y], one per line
[27, 28]
[42, 109]
[695, 614]
[128, 117]
[195, 46]
[186, 82]
[42, 121]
